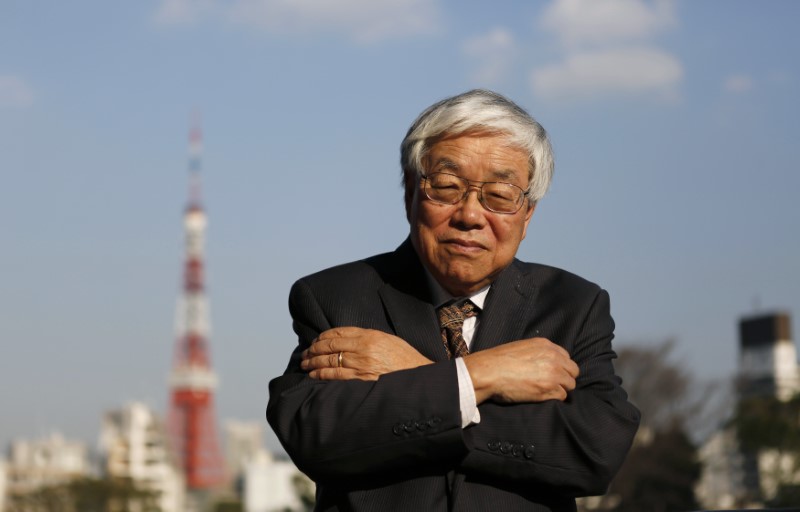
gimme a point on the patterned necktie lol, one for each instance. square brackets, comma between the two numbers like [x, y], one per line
[451, 319]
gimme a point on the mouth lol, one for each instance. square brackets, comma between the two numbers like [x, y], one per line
[465, 246]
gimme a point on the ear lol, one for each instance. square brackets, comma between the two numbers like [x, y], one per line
[410, 185]
[528, 216]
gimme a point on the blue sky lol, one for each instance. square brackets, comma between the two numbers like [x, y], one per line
[674, 126]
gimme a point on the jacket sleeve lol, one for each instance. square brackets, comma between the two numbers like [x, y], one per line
[576, 445]
[336, 430]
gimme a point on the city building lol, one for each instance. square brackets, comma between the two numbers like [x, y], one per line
[134, 444]
[768, 370]
[264, 482]
[3, 478]
[271, 484]
[49, 461]
[768, 357]
[243, 441]
[722, 480]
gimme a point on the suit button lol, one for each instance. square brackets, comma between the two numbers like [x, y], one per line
[409, 426]
[397, 429]
[434, 421]
[505, 447]
[516, 450]
[529, 452]
[493, 445]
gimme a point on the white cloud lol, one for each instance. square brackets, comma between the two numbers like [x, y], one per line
[592, 22]
[607, 49]
[492, 54]
[738, 84]
[362, 20]
[14, 92]
[638, 70]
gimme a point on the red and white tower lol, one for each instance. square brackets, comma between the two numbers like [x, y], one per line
[192, 381]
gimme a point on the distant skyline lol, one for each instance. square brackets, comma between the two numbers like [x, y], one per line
[674, 125]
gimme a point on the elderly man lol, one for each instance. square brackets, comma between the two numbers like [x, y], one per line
[448, 375]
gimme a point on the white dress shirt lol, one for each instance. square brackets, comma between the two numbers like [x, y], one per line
[466, 390]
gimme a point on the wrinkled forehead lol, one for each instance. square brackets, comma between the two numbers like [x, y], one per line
[501, 139]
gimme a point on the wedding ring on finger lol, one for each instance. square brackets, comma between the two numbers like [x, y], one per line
[340, 359]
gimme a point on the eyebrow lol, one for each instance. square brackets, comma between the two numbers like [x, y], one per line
[446, 163]
[505, 174]
[501, 174]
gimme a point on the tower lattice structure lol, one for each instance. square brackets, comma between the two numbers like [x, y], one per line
[192, 381]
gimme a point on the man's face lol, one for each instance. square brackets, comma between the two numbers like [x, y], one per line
[464, 246]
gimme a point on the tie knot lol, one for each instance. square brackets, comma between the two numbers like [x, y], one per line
[453, 316]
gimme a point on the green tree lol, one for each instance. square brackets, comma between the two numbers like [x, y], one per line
[662, 468]
[305, 490]
[87, 495]
[766, 423]
[659, 475]
[228, 505]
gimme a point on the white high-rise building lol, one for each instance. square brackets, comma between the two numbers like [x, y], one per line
[722, 483]
[266, 483]
[3, 480]
[52, 460]
[767, 369]
[272, 484]
[243, 441]
[134, 445]
[768, 357]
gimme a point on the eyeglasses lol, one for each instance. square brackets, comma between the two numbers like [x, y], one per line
[495, 196]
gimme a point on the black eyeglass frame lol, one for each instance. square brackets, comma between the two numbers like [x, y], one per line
[476, 185]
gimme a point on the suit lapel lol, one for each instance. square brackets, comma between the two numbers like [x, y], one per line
[414, 320]
[509, 306]
[406, 299]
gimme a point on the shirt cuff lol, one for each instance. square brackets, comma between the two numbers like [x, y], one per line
[466, 396]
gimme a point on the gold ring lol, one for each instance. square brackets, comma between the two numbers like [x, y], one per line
[340, 359]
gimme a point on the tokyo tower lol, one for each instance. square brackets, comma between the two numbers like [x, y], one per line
[192, 381]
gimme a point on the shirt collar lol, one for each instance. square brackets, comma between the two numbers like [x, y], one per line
[441, 296]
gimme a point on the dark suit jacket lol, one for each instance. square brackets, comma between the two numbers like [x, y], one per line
[397, 443]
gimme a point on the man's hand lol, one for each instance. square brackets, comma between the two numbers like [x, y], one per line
[366, 354]
[530, 370]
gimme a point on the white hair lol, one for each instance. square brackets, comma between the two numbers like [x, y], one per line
[482, 111]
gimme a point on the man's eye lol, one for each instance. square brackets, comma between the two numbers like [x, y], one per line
[501, 195]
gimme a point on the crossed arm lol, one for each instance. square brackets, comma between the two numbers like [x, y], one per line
[529, 370]
[342, 422]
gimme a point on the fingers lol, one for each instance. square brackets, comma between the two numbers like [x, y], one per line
[562, 356]
[341, 332]
[573, 369]
[529, 370]
[311, 362]
[339, 374]
[333, 341]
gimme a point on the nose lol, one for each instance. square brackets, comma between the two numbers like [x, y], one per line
[469, 213]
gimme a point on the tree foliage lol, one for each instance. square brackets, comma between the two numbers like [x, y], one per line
[228, 505]
[662, 468]
[659, 476]
[304, 489]
[86, 495]
[766, 422]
